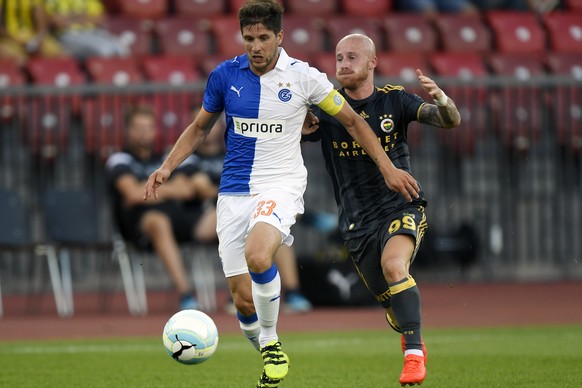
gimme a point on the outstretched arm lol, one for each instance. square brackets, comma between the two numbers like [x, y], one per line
[443, 113]
[187, 142]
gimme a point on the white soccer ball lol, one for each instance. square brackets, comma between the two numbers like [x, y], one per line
[190, 337]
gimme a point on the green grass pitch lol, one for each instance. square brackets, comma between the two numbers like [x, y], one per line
[494, 357]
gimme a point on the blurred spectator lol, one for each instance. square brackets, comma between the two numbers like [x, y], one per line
[431, 7]
[24, 31]
[178, 214]
[79, 26]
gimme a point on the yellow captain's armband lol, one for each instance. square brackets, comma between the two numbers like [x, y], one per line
[332, 103]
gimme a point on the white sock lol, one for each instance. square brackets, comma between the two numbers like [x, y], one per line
[251, 331]
[417, 352]
[266, 297]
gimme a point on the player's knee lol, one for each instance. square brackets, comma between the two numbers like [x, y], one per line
[258, 261]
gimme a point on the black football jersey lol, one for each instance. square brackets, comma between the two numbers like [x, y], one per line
[363, 199]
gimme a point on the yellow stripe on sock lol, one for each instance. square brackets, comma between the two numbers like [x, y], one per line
[405, 285]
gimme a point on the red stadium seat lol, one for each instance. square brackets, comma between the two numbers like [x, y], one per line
[368, 8]
[312, 8]
[325, 62]
[409, 32]
[10, 76]
[517, 107]
[173, 69]
[103, 121]
[55, 71]
[209, 62]
[466, 66]
[183, 36]
[470, 100]
[566, 100]
[114, 71]
[303, 37]
[401, 66]
[340, 26]
[517, 32]
[462, 33]
[565, 31]
[200, 8]
[227, 35]
[234, 5]
[143, 9]
[574, 5]
[49, 116]
[135, 33]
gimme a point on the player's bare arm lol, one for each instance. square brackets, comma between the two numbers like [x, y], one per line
[193, 135]
[396, 179]
[444, 112]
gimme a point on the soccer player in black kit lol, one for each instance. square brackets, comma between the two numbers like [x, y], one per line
[381, 229]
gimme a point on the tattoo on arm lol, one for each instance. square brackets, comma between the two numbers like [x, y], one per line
[443, 117]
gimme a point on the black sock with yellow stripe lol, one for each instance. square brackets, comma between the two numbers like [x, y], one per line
[405, 300]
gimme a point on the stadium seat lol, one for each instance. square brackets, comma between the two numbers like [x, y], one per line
[199, 8]
[409, 32]
[55, 71]
[574, 5]
[463, 32]
[471, 100]
[566, 100]
[340, 26]
[565, 31]
[226, 33]
[234, 5]
[174, 108]
[111, 6]
[516, 32]
[368, 8]
[72, 229]
[103, 123]
[103, 114]
[401, 66]
[143, 9]
[49, 115]
[517, 106]
[135, 33]
[172, 69]
[209, 62]
[114, 71]
[465, 66]
[311, 8]
[10, 76]
[183, 36]
[303, 37]
[325, 62]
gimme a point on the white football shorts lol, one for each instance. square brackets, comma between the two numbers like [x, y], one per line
[238, 214]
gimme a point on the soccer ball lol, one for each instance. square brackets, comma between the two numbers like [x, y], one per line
[190, 337]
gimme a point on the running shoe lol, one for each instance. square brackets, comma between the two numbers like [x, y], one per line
[276, 362]
[413, 371]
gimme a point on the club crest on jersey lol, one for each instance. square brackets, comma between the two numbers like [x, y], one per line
[387, 125]
[285, 95]
[260, 129]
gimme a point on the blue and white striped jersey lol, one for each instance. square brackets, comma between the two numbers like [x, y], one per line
[264, 117]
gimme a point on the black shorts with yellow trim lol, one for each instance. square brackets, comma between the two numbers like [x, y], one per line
[366, 251]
